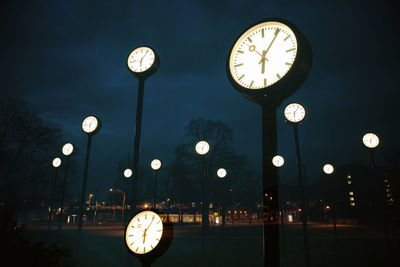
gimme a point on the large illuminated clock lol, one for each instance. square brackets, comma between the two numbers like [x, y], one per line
[147, 236]
[143, 61]
[269, 61]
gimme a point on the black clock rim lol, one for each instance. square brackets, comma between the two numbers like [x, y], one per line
[98, 125]
[292, 122]
[290, 82]
[150, 71]
[163, 244]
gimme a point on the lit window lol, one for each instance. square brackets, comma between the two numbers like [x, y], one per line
[352, 204]
[385, 180]
[348, 176]
[352, 198]
[349, 182]
[387, 190]
[351, 193]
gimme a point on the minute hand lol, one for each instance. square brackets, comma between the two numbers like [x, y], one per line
[266, 51]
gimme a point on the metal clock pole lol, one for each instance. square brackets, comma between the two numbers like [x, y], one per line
[56, 164]
[302, 199]
[270, 186]
[85, 174]
[67, 150]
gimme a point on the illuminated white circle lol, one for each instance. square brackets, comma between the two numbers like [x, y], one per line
[155, 164]
[56, 162]
[221, 172]
[90, 124]
[370, 140]
[278, 161]
[202, 147]
[141, 59]
[67, 149]
[128, 173]
[294, 112]
[263, 55]
[328, 169]
[144, 232]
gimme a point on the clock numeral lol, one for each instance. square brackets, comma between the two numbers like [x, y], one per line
[262, 33]
[287, 37]
[241, 77]
[265, 81]
[279, 76]
[238, 65]
[151, 246]
[159, 230]
[131, 244]
[287, 63]
[251, 84]
[277, 31]
[289, 50]
[158, 222]
[248, 38]
[137, 249]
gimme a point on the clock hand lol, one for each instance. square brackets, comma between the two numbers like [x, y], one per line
[276, 34]
[263, 62]
[253, 48]
[143, 57]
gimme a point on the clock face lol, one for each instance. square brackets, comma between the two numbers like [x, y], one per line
[144, 232]
[221, 173]
[328, 169]
[294, 112]
[127, 173]
[202, 148]
[67, 149]
[56, 162]
[141, 59]
[278, 161]
[263, 55]
[155, 164]
[90, 124]
[370, 140]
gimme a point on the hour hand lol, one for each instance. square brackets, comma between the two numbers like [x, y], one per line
[262, 61]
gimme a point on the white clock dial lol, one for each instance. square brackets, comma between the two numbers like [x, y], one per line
[67, 149]
[221, 173]
[144, 232]
[90, 124]
[56, 162]
[202, 148]
[294, 112]
[141, 59]
[328, 169]
[278, 161]
[128, 173]
[263, 55]
[370, 140]
[155, 164]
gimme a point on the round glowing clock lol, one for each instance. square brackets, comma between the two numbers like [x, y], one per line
[67, 149]
[147, 236]
[328, 169]
[56, 162]
[278, 161]
[269, 61]
[221, 172]
[143, 61]
[294, 113]
[202, 148]
[155, 164]
[128, 173]
[91, 125]
[370, 140]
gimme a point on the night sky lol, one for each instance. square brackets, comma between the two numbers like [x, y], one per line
[67, 60]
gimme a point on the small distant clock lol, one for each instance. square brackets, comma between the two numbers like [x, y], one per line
[147, 236]
[143, 61]
[91, 125]
[370, 140]
[294, 113]
[269, 61]
[155, 164]
[67, 149]
[202, 147]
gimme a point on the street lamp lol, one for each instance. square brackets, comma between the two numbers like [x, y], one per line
[123, 203]
[155, 165]
[56, 163]
[202, 148]
[90, 126]
[294, 115]
[142, 62]
[329, 169]
[67, 150]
